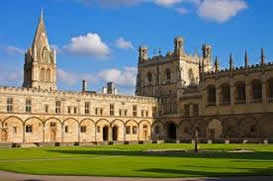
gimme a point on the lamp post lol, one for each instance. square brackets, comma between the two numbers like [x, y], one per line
[196, 141]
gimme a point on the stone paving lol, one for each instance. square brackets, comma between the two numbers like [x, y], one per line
[8, 176]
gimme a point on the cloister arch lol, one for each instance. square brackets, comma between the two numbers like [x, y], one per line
[117, 127]
[144, 132]
[185, 130]
[231, 127]
[132, 136]
[266, 127]
[249, 127]
[171, 130]
[70, 130]
[53, 130]
[158, 130]
[90, 130]
[14, 129]
[103, 130]
[36, 134]
[214, 129]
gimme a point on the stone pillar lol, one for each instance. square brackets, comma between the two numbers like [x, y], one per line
[110, 136]
[44, 132]
[24, 133]
[62, 127]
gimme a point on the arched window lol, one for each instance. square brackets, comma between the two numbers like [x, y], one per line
[211, 95]
[191, 77]
[240, 93]
[150, 77]
[168, 74]
[42, 75]
[257, 94]
[225, 94]
[48, 75]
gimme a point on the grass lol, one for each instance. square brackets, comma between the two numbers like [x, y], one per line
[135, 161]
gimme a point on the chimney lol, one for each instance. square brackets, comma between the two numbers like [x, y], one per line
[84, 86]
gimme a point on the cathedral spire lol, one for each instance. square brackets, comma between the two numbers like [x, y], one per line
[40, 38]
[230, 62]
[246, 60]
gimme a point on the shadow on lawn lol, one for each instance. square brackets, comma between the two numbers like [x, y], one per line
[199, 173]
[268, 156]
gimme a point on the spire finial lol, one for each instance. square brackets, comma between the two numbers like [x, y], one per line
[42, 13]
[230, 62]
[216, 64]
[246, 59]
[262, 57]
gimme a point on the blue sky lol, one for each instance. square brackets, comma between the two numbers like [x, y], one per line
[98, 39]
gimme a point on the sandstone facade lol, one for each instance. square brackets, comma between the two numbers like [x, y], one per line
[177, 95]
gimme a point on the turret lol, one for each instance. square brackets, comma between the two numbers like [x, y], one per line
[216, 64]
[262, 57]
[246, 60]
[179, 46]
[230, 62]
[207, 50]
[143, 54]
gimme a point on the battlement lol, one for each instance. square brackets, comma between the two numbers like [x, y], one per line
[79, 95]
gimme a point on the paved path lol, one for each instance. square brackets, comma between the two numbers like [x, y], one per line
[8, 176]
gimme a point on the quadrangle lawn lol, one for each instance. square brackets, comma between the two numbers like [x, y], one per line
[137, 161]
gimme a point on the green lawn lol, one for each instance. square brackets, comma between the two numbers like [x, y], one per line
[135, 161]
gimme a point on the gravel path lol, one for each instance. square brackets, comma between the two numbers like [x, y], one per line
[8, 176]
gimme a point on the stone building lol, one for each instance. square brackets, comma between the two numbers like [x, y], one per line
[177, 95]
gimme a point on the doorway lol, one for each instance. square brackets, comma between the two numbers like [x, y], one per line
[115, 133]
[105, 133]
[172, 131]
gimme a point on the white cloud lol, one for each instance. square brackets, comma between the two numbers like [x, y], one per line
[167, 3]
[221, 11]
[90, 44]
[12, 50]
[124, 44]
[122, 77]
[11, 76]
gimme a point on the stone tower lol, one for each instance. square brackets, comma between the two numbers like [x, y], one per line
[40, 61]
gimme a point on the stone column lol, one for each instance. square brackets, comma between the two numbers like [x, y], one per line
[44, 132]
[110, 136]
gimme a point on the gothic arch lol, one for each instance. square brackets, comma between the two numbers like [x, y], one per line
[34, 117]
[185, 129]
[87, 119]
[101, 120]
[144, 121]
[249, 127]
[117, 127]
[42, 74]
[158, 130]
[15, 118]
[266, 127]
[144, 130]
[214, 129]
[71, 118]
[48, 75]
[53, 130]
[53, 118]
[231, 127]
[116, 120]
[130, 121]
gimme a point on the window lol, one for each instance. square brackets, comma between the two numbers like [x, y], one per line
[157, 130]
[29, 129]
[154, 111]
[101, 111]
[134, 130]
[28, 105]
[58, 107]
[187, 110]
[147, 113]
[145, 126]
[69, 110]
[241, 93]
[96, 111]
[9, 104]
[125, 112]
[66, 129]
[196, 110]
[226, 98]
[168, 74]
[128, 130]
[87, 108]
[142, 113]
[14, 130]
[135, 110]
[75, 110]
[83, 129]
[112, 109]
[52, 124]
[98, 129]
[150, 77]
[46, 108]
[257, 91]
[211, 96]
